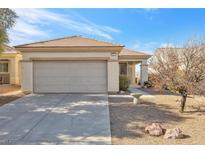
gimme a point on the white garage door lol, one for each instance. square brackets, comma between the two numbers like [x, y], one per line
[70, 77]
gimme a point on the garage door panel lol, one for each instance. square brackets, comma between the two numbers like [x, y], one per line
[70, 76]
[69, 81]
[62, 88]
[71, 73]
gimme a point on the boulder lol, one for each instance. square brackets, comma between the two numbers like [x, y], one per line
[174, 133]
[154, 129]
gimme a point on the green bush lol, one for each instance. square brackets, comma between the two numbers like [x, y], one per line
[124, 82]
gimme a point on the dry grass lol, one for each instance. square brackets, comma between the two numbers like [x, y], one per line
[128, 121]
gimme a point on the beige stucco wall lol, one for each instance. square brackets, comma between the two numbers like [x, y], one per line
[12, 70]
[112, 65]
[27, 76]
[28, 55]
[14, 61]
[133, 73]
[113, 76]
[143, 72]
[18, 69]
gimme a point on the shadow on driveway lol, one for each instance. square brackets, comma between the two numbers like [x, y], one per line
[56, 119]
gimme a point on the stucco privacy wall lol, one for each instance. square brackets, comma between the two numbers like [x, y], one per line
[112, 65]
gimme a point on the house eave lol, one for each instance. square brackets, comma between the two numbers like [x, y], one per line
[134, 57]
[9, 55]
[70, 48]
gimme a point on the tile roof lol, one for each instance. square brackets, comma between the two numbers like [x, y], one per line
[131, 53]
[79, 41]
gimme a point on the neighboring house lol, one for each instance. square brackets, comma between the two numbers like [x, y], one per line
[78, 65]
[9, 66]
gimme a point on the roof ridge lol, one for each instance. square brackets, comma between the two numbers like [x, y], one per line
[100, 40]
[142, 52]
[67, 37]
[54, 39]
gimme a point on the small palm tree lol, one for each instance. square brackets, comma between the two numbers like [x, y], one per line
[7, 20]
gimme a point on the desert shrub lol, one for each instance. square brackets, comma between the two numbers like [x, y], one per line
[124, 82]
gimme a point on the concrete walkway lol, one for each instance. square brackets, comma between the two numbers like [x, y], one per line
[56, 119]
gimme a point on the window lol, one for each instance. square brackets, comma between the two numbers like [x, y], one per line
[4, 68]
[123, 68]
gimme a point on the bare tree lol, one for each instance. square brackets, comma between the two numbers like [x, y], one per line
[180, 70]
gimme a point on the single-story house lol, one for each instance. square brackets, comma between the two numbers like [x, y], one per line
[10, 66]
[77, 65]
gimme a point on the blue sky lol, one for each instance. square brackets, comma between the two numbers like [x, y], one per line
[137, 29]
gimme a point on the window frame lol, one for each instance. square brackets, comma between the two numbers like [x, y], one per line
[4, 67]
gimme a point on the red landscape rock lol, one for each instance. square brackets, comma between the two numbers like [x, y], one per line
[175, 133]
[154, 129]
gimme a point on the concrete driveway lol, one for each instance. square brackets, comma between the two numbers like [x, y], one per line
[56, 119]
